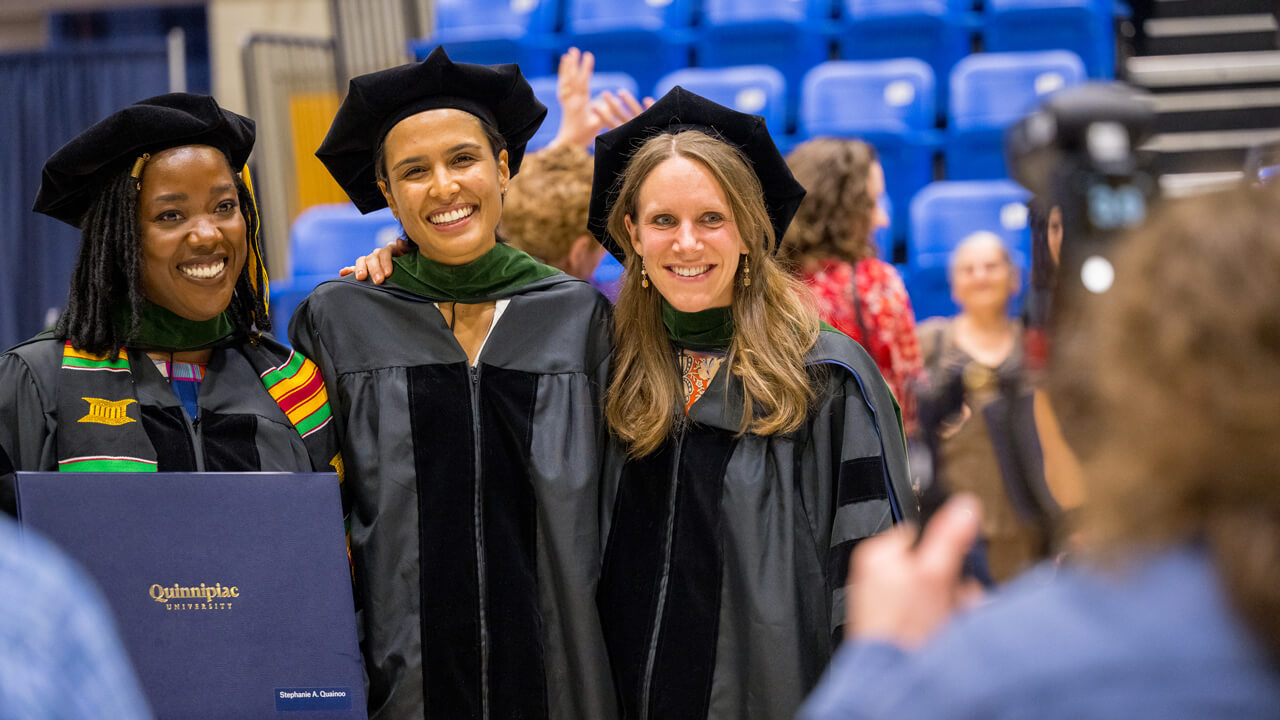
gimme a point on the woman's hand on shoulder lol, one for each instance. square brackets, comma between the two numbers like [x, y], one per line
[377, 264]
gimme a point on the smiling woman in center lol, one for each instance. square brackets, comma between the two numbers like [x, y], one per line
[468, 393]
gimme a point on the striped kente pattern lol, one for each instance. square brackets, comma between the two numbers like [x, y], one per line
[106, 463]
[73, 359]
[298, 389]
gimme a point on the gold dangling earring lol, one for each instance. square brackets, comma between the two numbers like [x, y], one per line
[746, 270]
[644, 275]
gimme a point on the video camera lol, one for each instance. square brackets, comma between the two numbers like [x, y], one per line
[1079, 152]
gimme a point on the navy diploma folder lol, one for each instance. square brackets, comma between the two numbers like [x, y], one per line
[232, 591]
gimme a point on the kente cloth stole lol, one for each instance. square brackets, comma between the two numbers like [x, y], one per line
[100, 420]
[697, 371]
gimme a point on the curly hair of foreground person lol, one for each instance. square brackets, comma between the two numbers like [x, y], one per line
[1169, 385]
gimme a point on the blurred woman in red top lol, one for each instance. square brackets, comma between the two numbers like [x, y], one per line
[831, 247]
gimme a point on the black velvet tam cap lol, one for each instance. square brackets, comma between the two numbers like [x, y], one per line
[497, 94]
[680, 110]
[73, 175]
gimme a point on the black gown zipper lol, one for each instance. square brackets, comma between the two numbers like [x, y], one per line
[477, 510]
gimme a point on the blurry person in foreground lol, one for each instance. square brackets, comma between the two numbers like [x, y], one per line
[60, 655]
[1167, 389]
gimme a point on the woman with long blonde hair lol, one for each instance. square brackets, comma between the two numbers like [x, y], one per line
[751, 446]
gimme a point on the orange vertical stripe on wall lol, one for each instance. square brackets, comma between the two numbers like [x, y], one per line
[310, 115]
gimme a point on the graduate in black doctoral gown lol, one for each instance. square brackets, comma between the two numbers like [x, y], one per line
[468, 393]
[160, 362]
[751, 447]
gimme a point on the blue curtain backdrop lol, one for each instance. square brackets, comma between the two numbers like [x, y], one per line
[46, 98]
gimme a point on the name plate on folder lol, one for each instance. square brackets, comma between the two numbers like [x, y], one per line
[231, 590]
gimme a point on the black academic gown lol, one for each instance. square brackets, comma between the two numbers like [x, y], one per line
[722, 592]
[474, 493]
[240, 427]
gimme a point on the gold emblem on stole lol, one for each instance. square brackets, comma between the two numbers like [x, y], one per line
[107, 412]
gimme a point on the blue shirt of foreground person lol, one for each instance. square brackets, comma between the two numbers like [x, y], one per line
[1156, 643]
[59, 653]
[1167, 391]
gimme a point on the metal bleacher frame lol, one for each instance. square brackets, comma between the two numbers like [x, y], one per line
[278, 68]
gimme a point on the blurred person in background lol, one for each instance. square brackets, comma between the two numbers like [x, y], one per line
[545, 212]
[830, 244]
[1167, 389]
[1061, 470]
[978, 351]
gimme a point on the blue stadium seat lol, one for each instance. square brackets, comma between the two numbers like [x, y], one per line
[888, 103]
[323, 240]
[755, 89]
[1085, 27]
[791, 36]
[609, 270]
[893, 96]
[943, 214]
[936, 31]
[989, 91]
[545, 90]
[495, 31]
[644, 38]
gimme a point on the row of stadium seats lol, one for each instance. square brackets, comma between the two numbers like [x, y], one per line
[888, 103]
[650, 38]
[327, 237]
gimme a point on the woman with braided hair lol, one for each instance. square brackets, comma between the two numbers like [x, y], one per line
[159, 362]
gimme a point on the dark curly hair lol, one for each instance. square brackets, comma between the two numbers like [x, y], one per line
[836, 218]
[108, 272]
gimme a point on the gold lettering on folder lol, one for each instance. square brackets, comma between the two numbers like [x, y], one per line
[203, 597]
